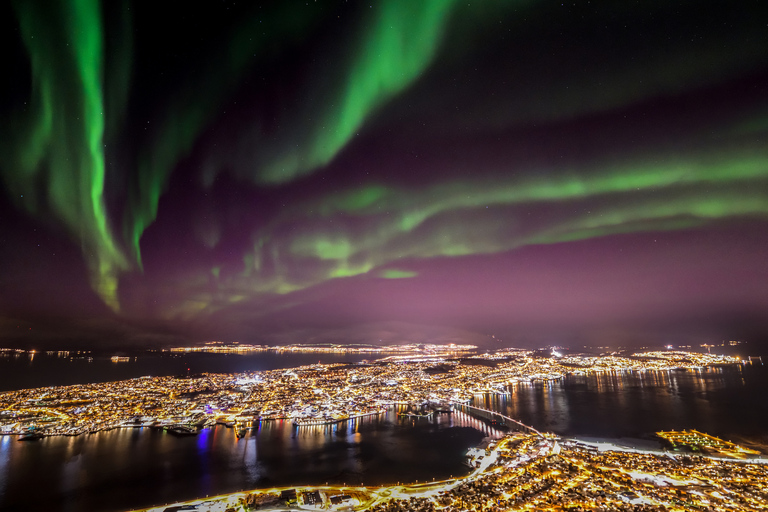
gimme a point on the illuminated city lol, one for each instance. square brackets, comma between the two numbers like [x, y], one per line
[306, 395]
[531, 472]
[329, 348]
[520, 470]
[384, 256]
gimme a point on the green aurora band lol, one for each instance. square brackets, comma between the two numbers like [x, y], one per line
[183, 117]
[398, 45]
[78, 103]
[471, 218]
[60, 140]
[393, 273]
[392, 54]
[443, 220]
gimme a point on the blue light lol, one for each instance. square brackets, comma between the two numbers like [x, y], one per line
[202, 440]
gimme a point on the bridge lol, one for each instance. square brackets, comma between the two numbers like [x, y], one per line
[494, 416]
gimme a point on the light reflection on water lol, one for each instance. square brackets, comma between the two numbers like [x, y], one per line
[49, 370]
[723, 401]
[132, 468]
[5, 457]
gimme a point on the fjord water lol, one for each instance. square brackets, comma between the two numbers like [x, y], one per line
[727, 401]
[131, 468]
[24, 370]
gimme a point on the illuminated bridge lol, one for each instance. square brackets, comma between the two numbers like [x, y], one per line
[494, 416]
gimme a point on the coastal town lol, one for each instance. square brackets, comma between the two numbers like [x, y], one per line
[535, 472]
[314, 394]
[217, 347]
[522, 470]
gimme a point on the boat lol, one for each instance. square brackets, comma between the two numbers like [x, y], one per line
[306, 422]
[330, 420]
[31, 436]
[138, 422]
[181, 430]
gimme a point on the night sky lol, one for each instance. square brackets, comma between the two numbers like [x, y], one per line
[543, 171]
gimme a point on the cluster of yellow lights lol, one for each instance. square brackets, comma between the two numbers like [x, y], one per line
[329, 348]
[531, 472]
[521, 472]
[309, 394]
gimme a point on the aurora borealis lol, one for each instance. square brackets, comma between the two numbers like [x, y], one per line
[235, 169]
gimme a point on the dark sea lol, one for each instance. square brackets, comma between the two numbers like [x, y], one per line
[23, 370]
[133, 468]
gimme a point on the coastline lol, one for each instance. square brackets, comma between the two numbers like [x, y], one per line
[519, 456]
[634, 445]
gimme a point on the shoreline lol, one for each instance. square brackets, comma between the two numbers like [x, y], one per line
[503, 457]
[621, 444]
